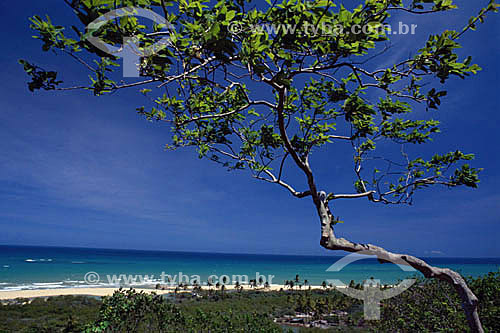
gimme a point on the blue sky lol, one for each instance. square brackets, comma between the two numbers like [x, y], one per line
[76, 170]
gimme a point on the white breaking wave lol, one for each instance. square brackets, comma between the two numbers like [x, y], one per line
[50, 285]
[39, 260]
[47, 283]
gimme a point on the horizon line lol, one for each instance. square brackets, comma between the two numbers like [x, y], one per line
[217, 252]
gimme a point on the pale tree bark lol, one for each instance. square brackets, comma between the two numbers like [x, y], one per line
[469, 300]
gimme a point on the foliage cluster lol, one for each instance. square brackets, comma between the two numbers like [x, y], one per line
[320, 88]
[129, 311]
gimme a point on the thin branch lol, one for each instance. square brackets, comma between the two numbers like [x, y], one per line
[272, 178]
[288, 145]
[164, 8]
[351, 196]
[184, 74]
[80, 60]
[413, 11]
[285, 185]
[225, 114]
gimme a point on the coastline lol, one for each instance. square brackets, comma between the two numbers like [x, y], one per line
[108, 291]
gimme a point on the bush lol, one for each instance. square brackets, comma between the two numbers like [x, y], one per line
[487, 289]
[52, 314]
[129, 311]
[434, 306]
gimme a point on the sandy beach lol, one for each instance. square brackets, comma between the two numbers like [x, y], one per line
[5, 295]
[13, 294]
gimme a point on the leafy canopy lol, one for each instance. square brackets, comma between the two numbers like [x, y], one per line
[249, 87]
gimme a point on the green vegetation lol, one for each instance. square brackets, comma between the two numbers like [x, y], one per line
[428, 306]
[128, 311]
[434, 306]
[52, 314]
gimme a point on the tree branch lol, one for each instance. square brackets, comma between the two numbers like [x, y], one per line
[225, 114]
[469, 300]
[288, 145]
[295, 193]
[351, 196]
[413, 11]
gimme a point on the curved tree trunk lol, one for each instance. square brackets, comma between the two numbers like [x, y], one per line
[329, 241]
[469, 300]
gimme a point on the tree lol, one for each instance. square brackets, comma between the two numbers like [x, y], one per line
[324, 87]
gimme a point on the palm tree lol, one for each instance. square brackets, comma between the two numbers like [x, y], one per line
[195, 285]
[210, 284]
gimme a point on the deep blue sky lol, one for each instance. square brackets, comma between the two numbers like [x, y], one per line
[76, 170]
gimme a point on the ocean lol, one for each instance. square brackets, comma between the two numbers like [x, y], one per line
[28, 268]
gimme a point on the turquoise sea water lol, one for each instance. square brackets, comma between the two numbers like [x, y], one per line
[24, 267]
